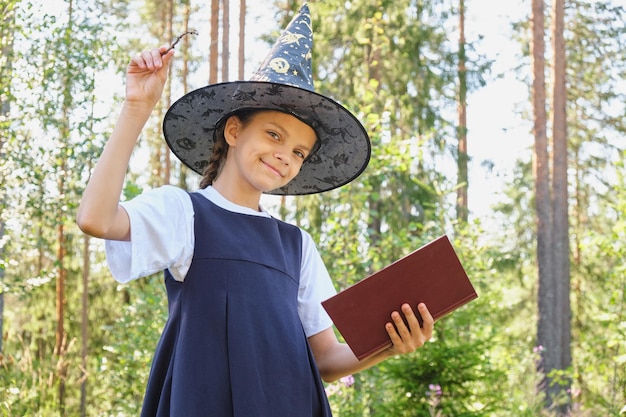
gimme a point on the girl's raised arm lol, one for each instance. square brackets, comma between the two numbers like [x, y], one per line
[99, 213]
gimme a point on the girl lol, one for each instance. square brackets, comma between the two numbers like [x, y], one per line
[246, 333]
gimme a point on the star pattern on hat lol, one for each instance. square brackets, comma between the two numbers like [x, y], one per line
[293, 46]
[289, 38]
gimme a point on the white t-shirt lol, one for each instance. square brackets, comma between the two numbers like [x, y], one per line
[162, 237]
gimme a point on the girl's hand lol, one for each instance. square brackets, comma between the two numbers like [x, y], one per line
[146, 75]
[407, 339]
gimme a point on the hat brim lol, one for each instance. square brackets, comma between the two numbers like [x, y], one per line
[344, 146]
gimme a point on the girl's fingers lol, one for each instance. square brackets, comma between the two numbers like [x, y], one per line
[152, 59]
[137, 60]
[427, 321]
[410, 316]
[406, 339]
[403, 330]
[396, 340]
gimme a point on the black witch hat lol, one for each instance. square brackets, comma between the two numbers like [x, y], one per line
[283, 82]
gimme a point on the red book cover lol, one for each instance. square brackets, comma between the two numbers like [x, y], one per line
[432, 274]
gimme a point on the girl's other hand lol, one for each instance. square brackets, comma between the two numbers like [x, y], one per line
[146, 76]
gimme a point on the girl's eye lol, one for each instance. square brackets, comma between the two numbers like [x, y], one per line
[300, 154]
[274, 135]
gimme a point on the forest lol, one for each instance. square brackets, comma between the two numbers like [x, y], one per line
[545, 337]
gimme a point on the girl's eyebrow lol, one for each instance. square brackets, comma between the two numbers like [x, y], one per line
[277, 126]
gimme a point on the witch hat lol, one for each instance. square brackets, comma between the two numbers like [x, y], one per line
[283, 82]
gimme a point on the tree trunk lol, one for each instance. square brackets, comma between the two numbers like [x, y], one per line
[169, 18]
[84, 327]
[225, 39]
[242, 39]
[183, 171]
[1, 281]
[213, 44]
[374, 65]
[560, 224]
[6, 68]
[554, 328]
[548, 330]
[64, 134]
[60, 345]
[462, 180]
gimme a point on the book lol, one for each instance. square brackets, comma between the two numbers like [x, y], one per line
[432, 274]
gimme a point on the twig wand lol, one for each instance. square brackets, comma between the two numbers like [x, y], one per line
[173, 45]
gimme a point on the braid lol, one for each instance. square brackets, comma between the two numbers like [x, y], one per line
[218, 156]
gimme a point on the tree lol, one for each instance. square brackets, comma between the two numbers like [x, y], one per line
[225, 38]
[184, 76]
[168, 21]
[242, 40]
[7, 24]
[462, 181]
[214, 41]
[560, 204]
[548, 328]
[553, 330]
[162, 32]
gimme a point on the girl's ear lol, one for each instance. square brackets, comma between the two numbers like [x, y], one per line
[231, 129]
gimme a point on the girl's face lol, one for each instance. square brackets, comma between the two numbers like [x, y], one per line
[268, 151]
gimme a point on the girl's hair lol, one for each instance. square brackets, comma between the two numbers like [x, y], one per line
[220, 147]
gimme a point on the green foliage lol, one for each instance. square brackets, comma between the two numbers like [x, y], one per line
[459, 368]
[600, 296]
[28, 383]
[128, 345]
[51, 138]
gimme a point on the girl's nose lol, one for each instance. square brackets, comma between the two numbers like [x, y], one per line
[282, 155]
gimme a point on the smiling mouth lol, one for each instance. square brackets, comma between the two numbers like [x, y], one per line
[273, 170]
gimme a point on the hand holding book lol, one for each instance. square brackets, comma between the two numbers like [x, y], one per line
[406, 331]
[432, 275]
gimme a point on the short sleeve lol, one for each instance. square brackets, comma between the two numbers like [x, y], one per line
[161, 236]
[315, 287]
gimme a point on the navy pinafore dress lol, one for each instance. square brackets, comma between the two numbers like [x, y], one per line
[233, 344]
